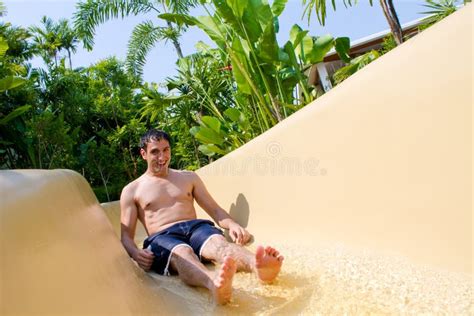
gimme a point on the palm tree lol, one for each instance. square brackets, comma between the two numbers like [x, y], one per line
[319, 6]
[47, 40]
[68, 38]
[92, 13]
[20, 50]
[53, 37]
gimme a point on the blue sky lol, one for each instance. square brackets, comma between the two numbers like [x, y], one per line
[111, 38]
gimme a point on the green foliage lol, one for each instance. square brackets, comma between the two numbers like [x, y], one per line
[388, 44]
[320, 8]
[51, 140]
[144, 37]
[438, 10]
[3, 9]
[266, 75]
[354, 65]
[221, 136]
[52, 37]
[12, 122]
[10, 82]
[92, 13]
[14, 114]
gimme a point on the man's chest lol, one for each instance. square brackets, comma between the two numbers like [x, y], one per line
[155, 196]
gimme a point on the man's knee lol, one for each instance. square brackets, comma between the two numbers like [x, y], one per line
[183, 252]
[216, 248]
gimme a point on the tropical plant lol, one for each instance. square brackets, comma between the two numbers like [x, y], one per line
[438, 10]
[9, 79]
[320, 7]
[15, 94]
[92, 13]
[47, 40]
[388, 44]
[3, 9]
[354, 65]
[219, 137]
[9, 82]
[68, 39]
[20, 49]
[265, 73]
[52, 140]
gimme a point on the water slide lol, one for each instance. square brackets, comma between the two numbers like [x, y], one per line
[367, 192]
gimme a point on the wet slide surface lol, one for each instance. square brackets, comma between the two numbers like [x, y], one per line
[367, 192]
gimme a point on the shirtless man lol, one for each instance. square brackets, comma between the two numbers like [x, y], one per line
[163, 200]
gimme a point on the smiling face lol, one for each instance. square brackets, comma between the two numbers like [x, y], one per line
[158, 156]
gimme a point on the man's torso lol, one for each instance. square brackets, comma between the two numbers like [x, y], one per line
[162, 202]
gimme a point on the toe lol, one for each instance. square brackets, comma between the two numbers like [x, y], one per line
[259, 253]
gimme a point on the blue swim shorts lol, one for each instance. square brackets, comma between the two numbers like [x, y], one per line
[194, 234]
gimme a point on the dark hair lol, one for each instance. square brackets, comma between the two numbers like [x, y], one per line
[153, 135]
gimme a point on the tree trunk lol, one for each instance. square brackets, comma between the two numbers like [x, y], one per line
[176, 44]
[70, 61]
[392, 19]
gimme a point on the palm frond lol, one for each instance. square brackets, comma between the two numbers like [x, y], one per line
[438, 10]
[68, 37]
[320, 8]
[3, 9]
[180, 7]
[143, 38]
[92, 13]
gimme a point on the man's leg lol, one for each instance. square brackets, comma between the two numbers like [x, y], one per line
[266, 262]
[193, 272]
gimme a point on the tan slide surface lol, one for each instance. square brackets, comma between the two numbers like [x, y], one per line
[367, 192]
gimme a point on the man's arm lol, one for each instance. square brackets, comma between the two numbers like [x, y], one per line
[128, 220]
[238, 234]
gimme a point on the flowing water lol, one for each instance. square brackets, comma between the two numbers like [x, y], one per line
[335, 280]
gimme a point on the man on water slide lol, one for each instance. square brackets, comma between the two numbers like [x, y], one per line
[163, 200]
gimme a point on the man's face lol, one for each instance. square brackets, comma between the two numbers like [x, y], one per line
[157, 155]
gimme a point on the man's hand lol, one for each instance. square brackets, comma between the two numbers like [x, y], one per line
[238, 234]
[144, 258]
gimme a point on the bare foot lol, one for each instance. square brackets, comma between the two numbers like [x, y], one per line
[268, 263]
[222, 290]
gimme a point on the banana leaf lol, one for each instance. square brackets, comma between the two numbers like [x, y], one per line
[268, 46]
[343, 47]
[209, 136]
[321, 47]
[239, 66]
[212, 123]
[10, 82]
